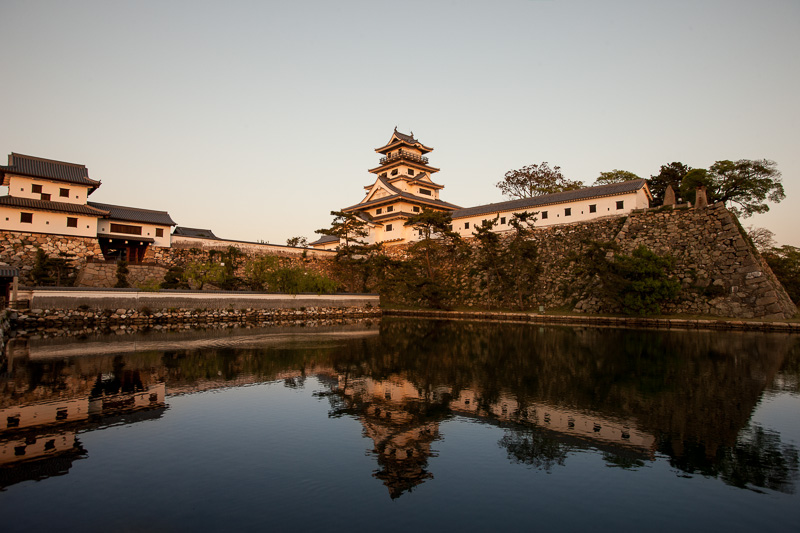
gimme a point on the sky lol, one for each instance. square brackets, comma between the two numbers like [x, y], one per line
[255, 119]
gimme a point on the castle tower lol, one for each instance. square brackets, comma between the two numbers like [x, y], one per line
[403, 187]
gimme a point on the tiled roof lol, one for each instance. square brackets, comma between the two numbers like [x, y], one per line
[194, 232]
[38, 167]
[324, 240]
[58, 207]
[400, 194]
[7, 271]
[404, 137]
[134, 214]
[549, 199]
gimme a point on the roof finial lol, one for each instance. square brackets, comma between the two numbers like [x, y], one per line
[395, 128]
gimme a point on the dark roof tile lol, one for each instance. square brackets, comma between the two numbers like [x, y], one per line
[135, 214]
[194, 232]
[58, 207]
[38, 167]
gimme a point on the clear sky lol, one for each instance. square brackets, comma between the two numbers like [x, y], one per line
[256, 119]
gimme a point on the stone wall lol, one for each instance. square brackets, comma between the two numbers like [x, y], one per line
[720, 271]
[104, 275]
[19, 249]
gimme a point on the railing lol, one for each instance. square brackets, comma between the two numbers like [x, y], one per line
[402, 154]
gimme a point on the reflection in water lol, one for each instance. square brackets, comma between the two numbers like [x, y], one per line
[632, 395]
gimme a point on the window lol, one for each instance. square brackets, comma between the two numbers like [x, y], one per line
[620, 204]
[502, 220]
[383, 175]
[379, 211]
[466, 225]
[36, 188]
[45, 197]
[72, 222]
[394, 172]
[123, 228]
[593, 208]
[388, 227]
[567, 211]
[410, 172]
[26, 218]
[159, 232]
[416, 209]
[63, 193]
[544, 215]
[425, 192]
[390, 209]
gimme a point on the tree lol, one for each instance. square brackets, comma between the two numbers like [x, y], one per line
[744, 185]
[348, 227]
[785, 263]
[536, 180]
[430, 224]
[615, 176]
[57, 271]
[762, 238]
[671, 174]
[297, 242]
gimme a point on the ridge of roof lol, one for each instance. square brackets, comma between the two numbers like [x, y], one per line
[555, 198]
[39, 167]
[47, 205]
[194, 232]
[135, 214]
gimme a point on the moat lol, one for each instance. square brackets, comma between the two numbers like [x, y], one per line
[402, 424]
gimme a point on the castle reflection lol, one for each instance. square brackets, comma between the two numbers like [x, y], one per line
[633, 395]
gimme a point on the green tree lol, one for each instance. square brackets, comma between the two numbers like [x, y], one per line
[615, 176]
[122, 275]
[269, 273]
[57, 271]
[200, 273]
[785, 263]
[431, 225]
[536, 180]
[744, 185]
[350, 228]
[638, 283]
[671, 174]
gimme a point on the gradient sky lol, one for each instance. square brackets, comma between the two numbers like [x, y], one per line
[256, 119]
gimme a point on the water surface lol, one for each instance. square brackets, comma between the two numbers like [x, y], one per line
[401, 424]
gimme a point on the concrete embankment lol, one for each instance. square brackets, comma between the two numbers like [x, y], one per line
[584, 320]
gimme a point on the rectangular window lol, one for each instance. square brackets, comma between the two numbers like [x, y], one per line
[123, 228]
[416, 209]
[502, 220]
[63, 193]
[26, 218]
[379, 211]
[36, 189]
[390, 209]
[72, 222]
[466, 225]
[593, 208]
[45, 197]
[394, 172]
[159, 232]
[620, 203]
[410, 172]
[544, 215]
[425, 192]
[567, 211]
[388, 227]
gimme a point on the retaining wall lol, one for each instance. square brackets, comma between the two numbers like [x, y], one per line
[112, 299]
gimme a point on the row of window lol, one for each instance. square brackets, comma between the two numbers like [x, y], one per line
[567, 212]
[72, 222]
[390, 208]
[37, 189]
